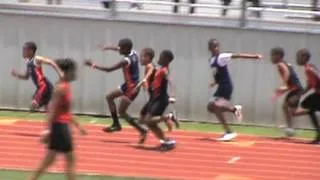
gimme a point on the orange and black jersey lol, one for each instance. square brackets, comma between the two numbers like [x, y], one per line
[293, 81]
[148, 83]
[36, 72]
[64, 114]
[313, 79]
[160, 83]
[131, 70]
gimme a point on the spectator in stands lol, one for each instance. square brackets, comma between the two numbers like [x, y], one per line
[54, 1]
[176, 7]
[316, 7]
[225, 3]
[255, 3]
[135, 4]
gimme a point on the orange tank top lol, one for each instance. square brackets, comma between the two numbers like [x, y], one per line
[64, 114]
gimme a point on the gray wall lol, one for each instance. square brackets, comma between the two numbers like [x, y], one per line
[77, 38]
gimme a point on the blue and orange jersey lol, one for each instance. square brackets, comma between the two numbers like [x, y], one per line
[64, 114]
[160, 83]
[131, 70]
[36, 72]
[293, 82]
[312, 74]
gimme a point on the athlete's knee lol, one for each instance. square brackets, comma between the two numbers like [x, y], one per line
[212, 107]
[109, 97]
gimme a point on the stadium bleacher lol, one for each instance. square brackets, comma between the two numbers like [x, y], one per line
[275, 10]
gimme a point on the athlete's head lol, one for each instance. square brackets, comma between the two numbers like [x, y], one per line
[277, 54]
[303, 56]
[69, 68]
[214, 46]
[125, 46]
[146, 56]
[166, 57]
[29, 49]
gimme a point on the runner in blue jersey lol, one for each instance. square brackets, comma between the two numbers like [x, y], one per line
[130, 67]
[34, 70]
[220, 101]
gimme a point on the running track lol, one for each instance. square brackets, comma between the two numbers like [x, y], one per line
[197, 155]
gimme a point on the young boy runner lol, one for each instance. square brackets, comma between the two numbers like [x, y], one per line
[34, 70]
[290, 85]
[130, 67]
[220, 102]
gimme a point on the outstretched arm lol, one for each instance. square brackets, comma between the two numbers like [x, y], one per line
[108, 48]
[50, 62]
[106, 68]
[246, 56]
[225, 58]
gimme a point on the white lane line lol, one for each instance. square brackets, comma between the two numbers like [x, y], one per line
[233, 160]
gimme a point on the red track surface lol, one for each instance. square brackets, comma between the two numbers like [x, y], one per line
[195, 157]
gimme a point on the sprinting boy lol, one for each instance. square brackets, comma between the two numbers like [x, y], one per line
[220, 102]
[59, 119]
[159, 100]
[34, 63]
[146, 57]
[130, 67]
[312, 102]
[290, 85]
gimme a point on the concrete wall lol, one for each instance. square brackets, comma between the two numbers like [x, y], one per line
[77, 38]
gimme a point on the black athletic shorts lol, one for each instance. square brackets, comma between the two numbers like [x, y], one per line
[45, 95]
[312, 102]
[155, 106]
[60, 138]
[295, 95]
[224, 91]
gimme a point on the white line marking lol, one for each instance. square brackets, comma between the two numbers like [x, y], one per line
[93, 121]
[233, 160]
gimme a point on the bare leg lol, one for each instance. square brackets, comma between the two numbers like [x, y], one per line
[287, 114]
[153, 126]
[224, 105]
[70, 166]
[218, 107]
[112, 106]
[124, 104]
[214, 107]
[315, 123]
[47, 161]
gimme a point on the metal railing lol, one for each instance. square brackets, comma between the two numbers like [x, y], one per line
[276, 10]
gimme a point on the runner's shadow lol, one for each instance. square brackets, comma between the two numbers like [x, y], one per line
[207, 139]
[26, 134]
[288, 140]
[213, 140]
[115, 142]
[151, 148]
